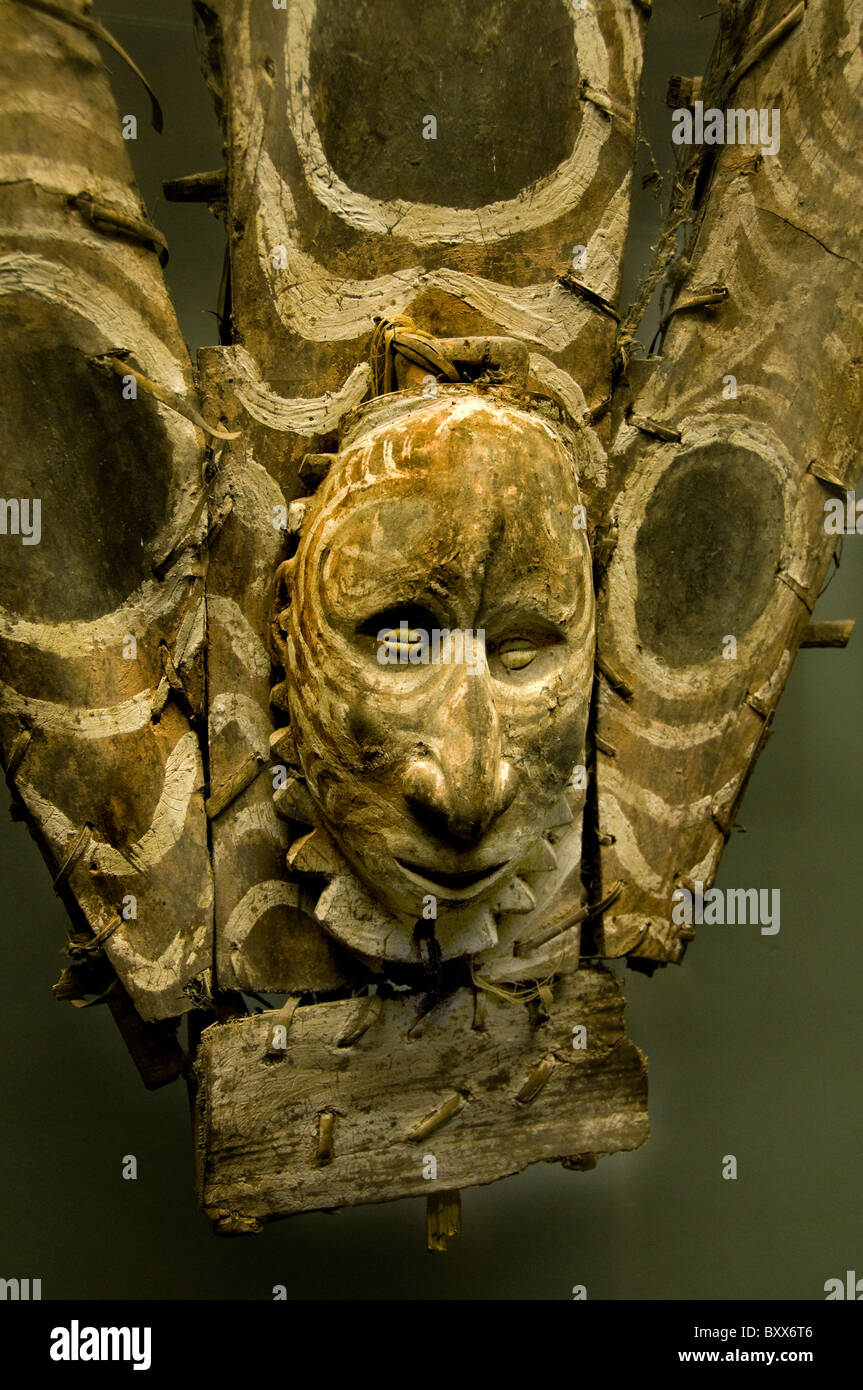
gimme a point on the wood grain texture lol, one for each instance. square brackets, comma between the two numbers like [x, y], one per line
[315, 257]
[267, 937]
[111, 776]
[467, 232]
[483, 1103]
[720, 532]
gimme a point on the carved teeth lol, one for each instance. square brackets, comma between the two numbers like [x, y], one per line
[540, 859]
[296, 516]
[354, 917]
[293, 802]
[283, 746]
[314, 854]
[560, 813]
[466, 938]
[515, 896]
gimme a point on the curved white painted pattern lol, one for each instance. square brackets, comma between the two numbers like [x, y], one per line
[273, 892]
[168, 971]
[621, 786]
[137, 614]
[297, 414]
[259, 818]
[620, 627]
[75, 720]
[658, 732]
[62, 178]
[323, 307]
[247, 713]
[425, 224]
[93, 301]
[614, 822]
[183, 774]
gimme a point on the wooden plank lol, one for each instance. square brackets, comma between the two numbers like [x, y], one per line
[719, 549]
[402, 1093]
[497, 206]
[101, 644]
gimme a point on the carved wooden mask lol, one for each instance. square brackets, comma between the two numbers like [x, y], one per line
[480, 728]
[438, 650]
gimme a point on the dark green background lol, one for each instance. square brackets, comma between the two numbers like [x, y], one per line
[754, 1044]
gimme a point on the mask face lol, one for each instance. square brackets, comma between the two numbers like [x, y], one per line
[440, 649]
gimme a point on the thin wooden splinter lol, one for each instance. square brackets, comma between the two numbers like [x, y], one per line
[79, 845]
[326, 1125]
[536, 1079]
[117, 362]
[835, 633]
[654, 427]
[617, 683]
[367, 1014]
[437, 1118]
[443, 1219]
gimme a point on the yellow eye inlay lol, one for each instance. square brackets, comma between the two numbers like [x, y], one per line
[516, 653]
[401, 639]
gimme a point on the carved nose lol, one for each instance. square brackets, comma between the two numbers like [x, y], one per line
[459, 791]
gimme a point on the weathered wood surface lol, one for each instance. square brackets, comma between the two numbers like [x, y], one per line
[720, 528]
[335, 1119]
[706, 516]
[469, 234]
[267, 937]
[99, 744]
[343, 208]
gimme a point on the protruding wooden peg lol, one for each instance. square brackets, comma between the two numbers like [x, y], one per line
[366, 1015]
[443, 1219]
[828, 634]
[326, 1125]
[536, 1079]
[437, 1118]
[197, 188]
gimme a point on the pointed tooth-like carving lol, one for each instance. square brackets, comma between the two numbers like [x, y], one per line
[296, 515]
[350, 914]
[560, 813]
[538, 860]
[283, 746]
[466, 937]
[314, 854]
[515, 896]
[293, 801]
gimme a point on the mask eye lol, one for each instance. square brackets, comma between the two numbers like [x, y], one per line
[516, 652]
[406, 629]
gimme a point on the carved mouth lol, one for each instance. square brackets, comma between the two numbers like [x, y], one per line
[453, 882]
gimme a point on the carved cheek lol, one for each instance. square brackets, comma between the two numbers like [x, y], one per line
[544, 748]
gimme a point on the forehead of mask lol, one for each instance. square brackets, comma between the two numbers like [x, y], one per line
[463, 508]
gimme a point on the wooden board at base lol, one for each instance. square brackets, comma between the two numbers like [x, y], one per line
[320, 1125]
